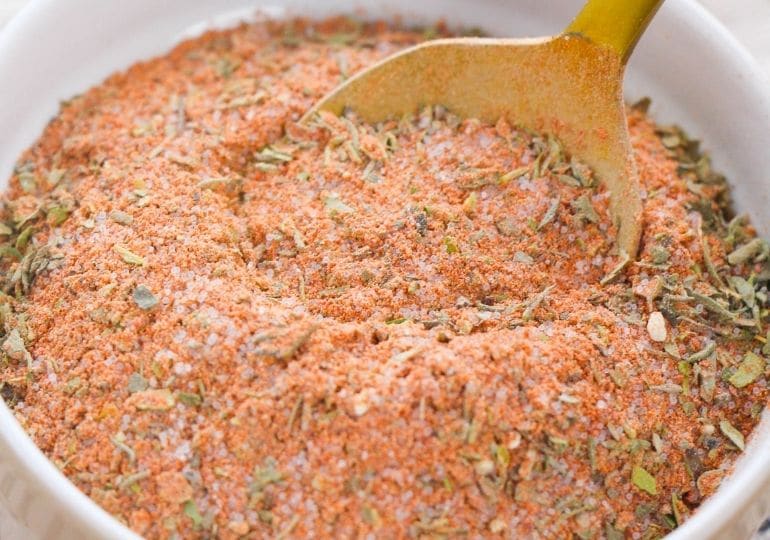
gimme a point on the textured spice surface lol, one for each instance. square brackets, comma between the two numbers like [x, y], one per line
[220, 323]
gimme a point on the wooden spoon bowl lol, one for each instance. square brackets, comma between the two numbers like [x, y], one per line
[569, 86]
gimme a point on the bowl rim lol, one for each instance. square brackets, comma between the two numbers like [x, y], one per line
[753, 477]
[713, 516]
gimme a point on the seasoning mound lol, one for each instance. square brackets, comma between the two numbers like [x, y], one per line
[431, 221]
[219, 322]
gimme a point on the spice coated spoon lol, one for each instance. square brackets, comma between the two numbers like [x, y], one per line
[570, 86]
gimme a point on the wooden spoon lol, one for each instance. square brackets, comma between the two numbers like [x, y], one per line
[570, 86]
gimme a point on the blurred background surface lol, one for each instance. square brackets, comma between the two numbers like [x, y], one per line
[749, 20]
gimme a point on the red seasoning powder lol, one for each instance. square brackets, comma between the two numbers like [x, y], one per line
[220, 323]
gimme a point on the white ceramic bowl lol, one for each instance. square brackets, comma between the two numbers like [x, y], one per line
[696, 72]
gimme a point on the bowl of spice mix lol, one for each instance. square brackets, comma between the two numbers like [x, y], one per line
[218, 322]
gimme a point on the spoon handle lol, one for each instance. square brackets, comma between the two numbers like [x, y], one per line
[618, 24]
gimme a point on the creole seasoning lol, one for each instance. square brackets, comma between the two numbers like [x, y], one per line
[220, 323]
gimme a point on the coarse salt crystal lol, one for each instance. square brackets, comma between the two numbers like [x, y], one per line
[360, 408]
[656, 327]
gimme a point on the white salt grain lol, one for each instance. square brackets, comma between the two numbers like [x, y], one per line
[656, 327]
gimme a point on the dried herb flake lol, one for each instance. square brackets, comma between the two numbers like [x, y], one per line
[749, 370]
[128, 256]
[144, 297]
[729, 431]
[644, 480]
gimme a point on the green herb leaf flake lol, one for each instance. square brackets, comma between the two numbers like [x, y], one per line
[191, 511]
[132, 479]
[512, 175]
[451, 245]
[535, 302]
[334, 205]
[521, 257]
[679, 509]
[56, 216]
[266, 475]
[615, 272]
[9, 251]
[470, 203]
[28, 181]
[584, 209]
[746, 252]
[371, 516]
[745, 289]
[748, 371]
[211, 183]
[55, 176]
[14, 347]
[128, 256]
[702, 354]
[659, 255]
[644, 480]
[121, 217]
[144, 297]
[271, 155]
[507, 227]
[612, 533]
[152, 400]
[189, 399]
[136, 383]
[23, 239]
[735, 436]
[550, 213]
